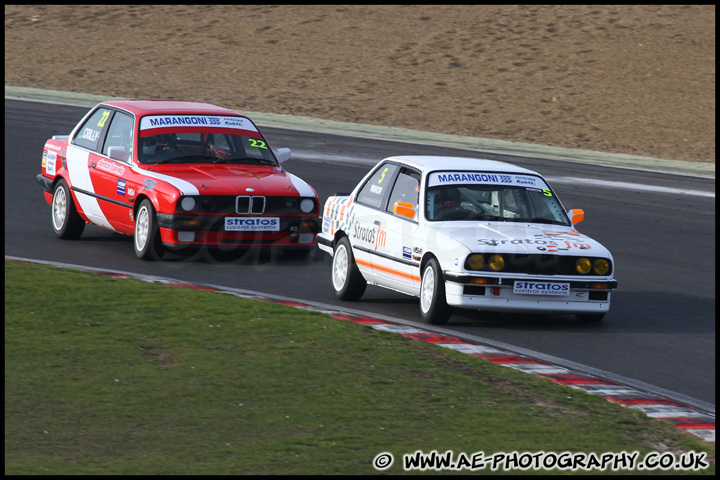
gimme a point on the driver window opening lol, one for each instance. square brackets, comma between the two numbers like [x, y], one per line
[406, 190]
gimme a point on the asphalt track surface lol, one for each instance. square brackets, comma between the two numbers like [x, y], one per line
[660, 227]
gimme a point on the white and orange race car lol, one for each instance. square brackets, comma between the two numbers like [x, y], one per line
[466, 233]
[176, 175]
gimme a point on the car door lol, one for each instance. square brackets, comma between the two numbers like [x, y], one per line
[366, 231]
[111, 177]
[84, 144]
[394, 261]
[383, 238]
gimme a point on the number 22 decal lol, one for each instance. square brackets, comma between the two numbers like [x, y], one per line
[103, 119]
[257, 143]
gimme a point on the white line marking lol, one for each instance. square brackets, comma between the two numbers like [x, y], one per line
[562, 180]
[629, 186]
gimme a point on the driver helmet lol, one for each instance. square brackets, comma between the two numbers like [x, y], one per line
[149, 144]
[449, 196]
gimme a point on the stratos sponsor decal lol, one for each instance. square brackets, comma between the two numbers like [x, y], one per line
[257, 224]
[456, 178]
[552, 242]
[541, 288]
[165, 121]
[373, 235]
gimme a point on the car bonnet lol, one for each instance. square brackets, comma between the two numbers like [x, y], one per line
[239, 180]
[522, 238]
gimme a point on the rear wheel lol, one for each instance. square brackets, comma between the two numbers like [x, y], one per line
[66, 221]
[347, 280]
[433, 305]
[147, 240]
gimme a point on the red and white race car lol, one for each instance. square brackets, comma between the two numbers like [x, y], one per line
[176, 175]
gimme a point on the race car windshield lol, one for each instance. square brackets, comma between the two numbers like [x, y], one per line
[461, 202]
[204, 147]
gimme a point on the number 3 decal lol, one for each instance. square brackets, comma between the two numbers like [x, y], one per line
[257, 143]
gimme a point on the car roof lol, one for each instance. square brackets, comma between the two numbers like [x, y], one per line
[160, 107]
[435, 163]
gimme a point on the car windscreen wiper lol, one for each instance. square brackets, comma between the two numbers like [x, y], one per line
[262, 161]
[185, 158]
[496, 218]
[544, 220]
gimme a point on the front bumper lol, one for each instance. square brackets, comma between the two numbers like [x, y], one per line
[584, 295]
[184, 230]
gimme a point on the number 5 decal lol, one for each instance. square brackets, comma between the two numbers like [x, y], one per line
[383, 176]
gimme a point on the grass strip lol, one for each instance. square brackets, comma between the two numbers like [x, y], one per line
[111, 375]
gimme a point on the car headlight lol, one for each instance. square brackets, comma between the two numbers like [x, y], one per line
[290, 204]
[601, 266]
[497, 262]
[307, 205]
[207, 203]
[187, 203]
[583, 265]
[475, 261]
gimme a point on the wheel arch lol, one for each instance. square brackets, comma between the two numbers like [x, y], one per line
[426, 258]
[138, 200]
[64, 177]
[338, 235]
[57, 179]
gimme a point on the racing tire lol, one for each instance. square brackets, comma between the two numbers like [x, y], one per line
[147, 241]
[66, 220]
[590, 317]
[348, 282]
[433, 304]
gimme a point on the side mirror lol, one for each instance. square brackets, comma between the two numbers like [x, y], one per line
[119, 153]
[283, 154]
[576, 215]
[404, 209]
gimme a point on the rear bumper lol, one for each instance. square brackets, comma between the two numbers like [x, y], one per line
[45, 183]
[325, 243]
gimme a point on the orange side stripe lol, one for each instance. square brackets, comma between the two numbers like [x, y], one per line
[387, 270]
